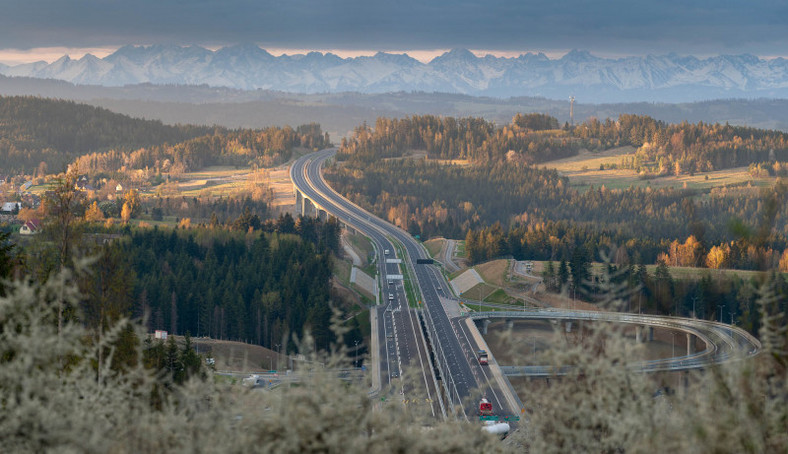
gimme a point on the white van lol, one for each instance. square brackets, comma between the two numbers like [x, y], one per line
[386, 252]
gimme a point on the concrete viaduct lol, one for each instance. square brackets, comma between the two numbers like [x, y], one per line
[720, 342]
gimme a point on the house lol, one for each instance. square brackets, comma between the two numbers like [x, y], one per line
[25, 186]
[11, 207]
[83, 185]
[119, 188]
[31, 227]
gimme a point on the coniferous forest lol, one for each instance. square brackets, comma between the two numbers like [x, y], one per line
[254, 289]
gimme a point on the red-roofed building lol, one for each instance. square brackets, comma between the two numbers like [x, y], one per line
[31, 227]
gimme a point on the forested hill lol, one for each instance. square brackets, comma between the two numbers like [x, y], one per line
[682, 148]
[530, 211]
[530, 138]
[35, 130]
[46, 135]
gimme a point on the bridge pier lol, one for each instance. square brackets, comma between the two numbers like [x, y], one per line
[509, 323]
[569, 326]
[690, 344]
[485, 324]
[304, 206]
[651, 334]
[309, 208]
[638, 330]
[299, 202]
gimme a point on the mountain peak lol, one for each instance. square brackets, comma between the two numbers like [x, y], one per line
[402, 59]
[89, 58]
[576, 55]
[244, 49]
[461, 55]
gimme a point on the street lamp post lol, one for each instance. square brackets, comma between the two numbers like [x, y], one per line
[355, 361]
[694, 298]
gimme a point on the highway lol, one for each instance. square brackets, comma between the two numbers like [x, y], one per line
[406, 370]
[454, 382]
[462, 380]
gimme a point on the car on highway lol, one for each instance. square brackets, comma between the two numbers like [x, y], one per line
[391, 296]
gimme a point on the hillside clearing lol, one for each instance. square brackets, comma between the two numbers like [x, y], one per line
[494, 272]
[434, 246]
[584, 171]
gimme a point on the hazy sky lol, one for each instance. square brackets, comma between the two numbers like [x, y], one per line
[604, 27]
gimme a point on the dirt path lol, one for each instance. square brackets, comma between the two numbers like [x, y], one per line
[448, 255]
[350, 251]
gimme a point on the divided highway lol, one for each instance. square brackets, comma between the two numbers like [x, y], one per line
[462, 380]
[442, 369]
[405, 367]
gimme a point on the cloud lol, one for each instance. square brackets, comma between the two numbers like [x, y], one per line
[606, 26]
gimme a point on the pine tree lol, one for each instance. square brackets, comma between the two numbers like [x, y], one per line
[563, 273]
[549, 276]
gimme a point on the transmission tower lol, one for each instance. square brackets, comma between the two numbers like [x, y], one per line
[572, 110]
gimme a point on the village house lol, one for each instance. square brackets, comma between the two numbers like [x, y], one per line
[31, 227]
[83, 185]
[10, 207]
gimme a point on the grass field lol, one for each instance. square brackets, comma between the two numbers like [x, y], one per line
[493, 272]
[685, 272]
[40, 189]
[586, 160]
[214, 172]
[459, 250]
[434, 246]
[455, 274]
[362, 246]
[583, 172]
[479, 308]
[223, 181]
[341, 269]
[363, 322]
[480, 291]
[677, 272]
[455, 162]
[499, 296]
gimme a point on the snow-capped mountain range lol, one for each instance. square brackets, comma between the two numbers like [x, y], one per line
[248, 67]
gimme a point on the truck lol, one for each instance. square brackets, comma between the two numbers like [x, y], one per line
[482, 355]
[485, 407]
[501, 429]
[491, 424]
